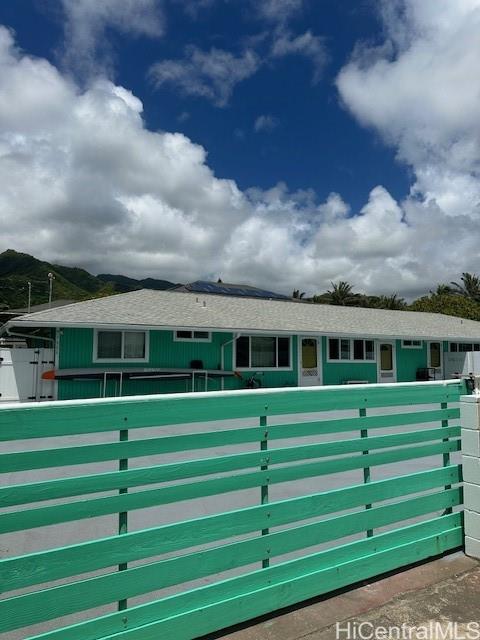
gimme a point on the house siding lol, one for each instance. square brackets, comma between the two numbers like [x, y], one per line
[340, 372]
[76, 351]
[409, 360]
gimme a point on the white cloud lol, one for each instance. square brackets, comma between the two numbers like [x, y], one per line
[280, 13]
[421, 92]
[183, 116]
[278, 10]
[86, 47]
[83, 181]
[214, 74]
[194, 7]
[306, 44]
[265, 123]
[209, 74]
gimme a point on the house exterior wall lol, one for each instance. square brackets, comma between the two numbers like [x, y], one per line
[409, 360]
[339, 372]
[76, 351]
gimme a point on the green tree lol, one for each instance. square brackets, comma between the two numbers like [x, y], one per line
[297, 294]
[442, 290]
[470, 287]
[341, 294]
[392, 301]
[448, 304]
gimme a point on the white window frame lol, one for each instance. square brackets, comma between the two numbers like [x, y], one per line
[351, 359]
[250, 368]
[412, 346]
[122, 358]
[472, 344]
[192, 339]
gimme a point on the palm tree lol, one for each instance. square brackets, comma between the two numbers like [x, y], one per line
[442, 290]
[470, 287]
[296, 294]
[392, 302]
[341, 294]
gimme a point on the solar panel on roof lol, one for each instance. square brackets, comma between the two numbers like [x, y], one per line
[201, 286]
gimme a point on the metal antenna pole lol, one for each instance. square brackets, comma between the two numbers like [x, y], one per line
[51, 278]
[29, 297]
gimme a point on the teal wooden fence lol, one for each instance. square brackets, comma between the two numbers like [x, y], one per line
[274, 549]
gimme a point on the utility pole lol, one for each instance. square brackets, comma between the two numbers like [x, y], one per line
[51, 278]
[29, 297]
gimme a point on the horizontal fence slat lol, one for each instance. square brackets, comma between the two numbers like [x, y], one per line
[66, 456]
[60, 513]
[422, 540]
[170, 553]
[89, 556]
[298, 589]
[94, 483]
[93, 592]
[67, 418]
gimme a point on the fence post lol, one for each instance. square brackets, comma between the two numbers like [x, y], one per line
[264, 467]
[366, 470]
[446, 456]
[470, 423]
[123, 516]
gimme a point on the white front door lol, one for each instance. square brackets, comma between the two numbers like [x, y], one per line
[387, 369]
[310, 363]
[435, 360]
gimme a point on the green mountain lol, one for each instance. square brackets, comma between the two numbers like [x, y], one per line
[123, 283]
[71, 283]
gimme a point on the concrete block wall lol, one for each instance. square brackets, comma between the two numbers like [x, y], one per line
[470, 422]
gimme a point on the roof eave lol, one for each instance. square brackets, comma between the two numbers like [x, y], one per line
[238, 330]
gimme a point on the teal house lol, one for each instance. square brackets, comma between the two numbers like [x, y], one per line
[149, 341]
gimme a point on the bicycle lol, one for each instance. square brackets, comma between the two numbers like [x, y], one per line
[252, 382]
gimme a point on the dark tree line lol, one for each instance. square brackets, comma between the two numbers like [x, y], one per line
[456, 298]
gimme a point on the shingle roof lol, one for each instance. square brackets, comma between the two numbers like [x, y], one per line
[43, 307]
[168, 309]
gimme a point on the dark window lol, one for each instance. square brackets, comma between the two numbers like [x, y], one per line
[351, 349]
[192, 335]
[345, 349]
[243, 351]
[283, 352]
[263, 351]
[109, 344]
[369, 350]
[453, 347]
[358, 350]
[134, 345]
[117, 345]
[435, 354]
[333, 351]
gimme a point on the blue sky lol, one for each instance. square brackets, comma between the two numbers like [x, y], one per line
[285, 143]
[310, 141]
